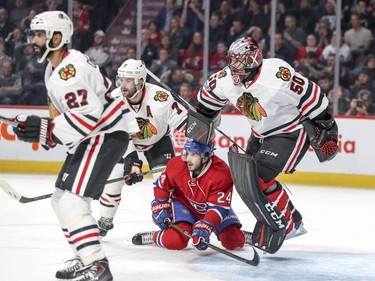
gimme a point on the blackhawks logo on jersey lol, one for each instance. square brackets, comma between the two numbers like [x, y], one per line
[161, 96]
[283, 73]
[222, 73]
[250, 107]
[146, 129]
[67, 72]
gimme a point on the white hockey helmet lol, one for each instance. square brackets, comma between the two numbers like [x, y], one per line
[51, 22]
[132, 68]
[246, 53]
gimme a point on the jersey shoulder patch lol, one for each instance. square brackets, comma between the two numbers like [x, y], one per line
[67, 72]
[283, 73]
[161, 96]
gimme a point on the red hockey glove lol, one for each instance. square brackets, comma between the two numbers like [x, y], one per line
[132, 168]
[35, 129]
[201, 232]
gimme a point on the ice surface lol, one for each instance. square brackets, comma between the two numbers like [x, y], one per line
[339, 244]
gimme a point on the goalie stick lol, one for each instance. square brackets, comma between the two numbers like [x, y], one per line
[8, 189]
[187, 105]
[254, 261]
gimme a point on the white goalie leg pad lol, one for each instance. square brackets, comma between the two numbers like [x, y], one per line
[75, 213]
[111, 196]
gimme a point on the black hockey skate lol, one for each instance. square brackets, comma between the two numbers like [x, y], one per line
[70, 270]
[105, 224]
[143, 238]
[298, 229]
[97, 271]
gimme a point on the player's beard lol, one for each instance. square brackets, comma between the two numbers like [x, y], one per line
[39, 51]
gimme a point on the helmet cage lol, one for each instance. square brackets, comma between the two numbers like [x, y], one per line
[202, 149]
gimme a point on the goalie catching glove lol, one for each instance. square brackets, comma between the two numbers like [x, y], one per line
[36, 129]
[323, 135]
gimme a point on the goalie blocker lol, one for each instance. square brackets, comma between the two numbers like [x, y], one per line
[200, 127]
[270, 229]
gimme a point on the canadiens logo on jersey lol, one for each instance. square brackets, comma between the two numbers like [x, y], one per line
[250, 107]
[283, 73]
[146, 129]
[161, 96]
[67, 72]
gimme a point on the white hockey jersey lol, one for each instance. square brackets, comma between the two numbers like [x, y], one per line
[156, 114]
[274, 102]
[77, 101]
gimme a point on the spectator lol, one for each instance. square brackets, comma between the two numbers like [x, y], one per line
[165, 15]
[280, 16]
[281, 49]
[329, 14]
[363, 82]
[193, 56]
[362, 106]
[167, 43]
[186, 92]
[10, 84]
[326, 83]
[323, 33]
[163, 64]
[99, 53]
[81, 22]
[6, 26]
[235, 32]
[131, 53]
[155, 35]
[226, 15]
[25, 23]
[343, 100]
[175, 77]
[216, 32]
[180, 36]
[311, 46]
[19, 12]
[306, 16]
[192, 16]
[253, 15]
[358, 38]
[32, 75]
[15, 44]
[149, 52]
[257, 33]
[329, 69]
[365, 12]
[3, 54]
[315, 69]
[345, 54]
[295, 37]
[219, 58]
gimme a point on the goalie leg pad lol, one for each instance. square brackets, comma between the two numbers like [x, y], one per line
[267, 239]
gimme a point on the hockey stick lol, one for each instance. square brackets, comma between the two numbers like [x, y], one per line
[187, 105]
[254, 261]
[9, 122]
[8, 189]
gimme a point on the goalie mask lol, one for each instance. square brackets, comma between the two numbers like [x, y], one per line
[51, 22]
[244, 56]
[202, 149]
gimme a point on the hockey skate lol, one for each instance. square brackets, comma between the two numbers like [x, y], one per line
[105, 224]
[143, 238]
[97, 271]
[298, 228]
[248, 236]
[70, 269]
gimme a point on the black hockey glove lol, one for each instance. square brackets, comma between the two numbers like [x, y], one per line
[36, 129]
[132, 168]
[323, 135]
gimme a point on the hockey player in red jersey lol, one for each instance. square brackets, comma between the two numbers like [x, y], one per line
[287, 113]
[195, 193]
[95, 131]
[157, 112]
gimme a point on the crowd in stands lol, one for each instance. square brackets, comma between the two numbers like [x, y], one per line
[172, 44]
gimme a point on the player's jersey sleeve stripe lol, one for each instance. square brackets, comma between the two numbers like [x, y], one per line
[311, 102]
[73, 124]
[82, 122]
[318, 105]
[305, 96]
[208, 101]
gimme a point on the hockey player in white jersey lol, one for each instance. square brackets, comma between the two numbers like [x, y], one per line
[157, 112]
[95, 131]
[286, 112]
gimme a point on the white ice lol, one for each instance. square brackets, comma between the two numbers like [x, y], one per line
[339, 245]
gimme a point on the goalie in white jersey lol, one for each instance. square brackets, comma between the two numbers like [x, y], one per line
[95, 130]
[286, 112]
[157, 112]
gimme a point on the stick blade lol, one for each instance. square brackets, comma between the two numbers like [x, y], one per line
[8, 189]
